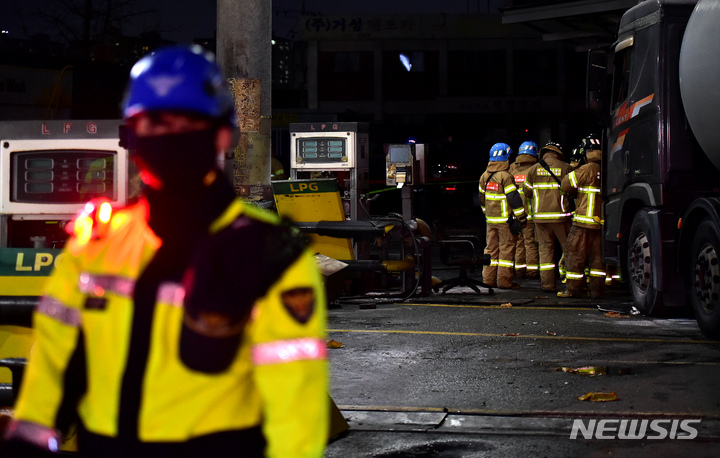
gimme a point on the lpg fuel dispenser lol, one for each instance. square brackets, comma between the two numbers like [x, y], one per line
[334, 150]
[49, 170]
[405, 168]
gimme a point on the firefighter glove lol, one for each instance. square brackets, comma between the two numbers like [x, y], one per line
[515, 225]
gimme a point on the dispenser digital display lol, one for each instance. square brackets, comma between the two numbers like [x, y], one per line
[62, 177]
[400, 153]
[322, 150]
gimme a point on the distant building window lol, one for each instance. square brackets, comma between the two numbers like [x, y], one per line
[410, 75]
[347, 62]
[535, 72]
[477, 72]
[345, 76]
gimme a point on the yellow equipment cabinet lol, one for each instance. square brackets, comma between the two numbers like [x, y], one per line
[312, 201]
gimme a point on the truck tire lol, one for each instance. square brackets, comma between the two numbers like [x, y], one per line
[639, 265]
[705, 278]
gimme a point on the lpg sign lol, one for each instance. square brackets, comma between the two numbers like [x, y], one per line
[28, 261]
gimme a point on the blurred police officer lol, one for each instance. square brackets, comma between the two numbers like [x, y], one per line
[526, 250]
[505, 217]
[584, 239]
[188, 324]
[551, 209]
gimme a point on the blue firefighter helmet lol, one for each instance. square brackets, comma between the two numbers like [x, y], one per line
[500, 152]
[528, 147]
[182, 78]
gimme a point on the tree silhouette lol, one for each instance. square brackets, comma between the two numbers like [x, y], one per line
[87, 27]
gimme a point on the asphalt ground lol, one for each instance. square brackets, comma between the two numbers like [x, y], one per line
[465, 375]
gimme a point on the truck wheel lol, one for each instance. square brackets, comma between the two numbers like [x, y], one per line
[639, 265]
[705, 279]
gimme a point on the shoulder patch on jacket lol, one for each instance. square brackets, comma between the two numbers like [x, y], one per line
[300, 303]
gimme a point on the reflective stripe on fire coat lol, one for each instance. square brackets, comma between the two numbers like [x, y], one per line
[585, 184]
[499, 196]
[519, 169]
[544, 192]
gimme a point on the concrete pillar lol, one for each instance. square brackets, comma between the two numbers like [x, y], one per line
[244, 51]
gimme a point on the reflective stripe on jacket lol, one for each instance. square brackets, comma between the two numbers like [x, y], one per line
[585, 184]
[499, 195]
[519, 169]
[541, 188]
[278, 377]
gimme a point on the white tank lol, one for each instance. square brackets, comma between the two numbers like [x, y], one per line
[700, 76]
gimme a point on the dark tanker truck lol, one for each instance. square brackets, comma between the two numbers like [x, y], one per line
[661, 155]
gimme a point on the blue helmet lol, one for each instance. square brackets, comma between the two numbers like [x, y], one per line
[528, 147]
[500, 152]
[183, 78]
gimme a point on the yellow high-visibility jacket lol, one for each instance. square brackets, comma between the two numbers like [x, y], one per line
[278, 379]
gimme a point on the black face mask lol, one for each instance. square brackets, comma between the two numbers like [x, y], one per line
[180, 161]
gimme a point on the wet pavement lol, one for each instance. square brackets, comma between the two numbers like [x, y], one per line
[466, 375]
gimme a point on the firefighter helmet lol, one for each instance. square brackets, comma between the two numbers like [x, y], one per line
[577, 156]
[500, 152]
[183, 78]
[528, 147]
[577, 153]
[552, 146]
[590, 143]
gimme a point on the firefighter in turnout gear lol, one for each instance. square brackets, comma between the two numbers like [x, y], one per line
[584, 240]
[526, 250]
[190, 323]
[505, 217]
[551, 209]
[577, 159]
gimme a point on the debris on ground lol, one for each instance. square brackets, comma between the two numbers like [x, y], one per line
[594, 396]
[621, 309]
[334, 344]
[592, 371]
[616, 315]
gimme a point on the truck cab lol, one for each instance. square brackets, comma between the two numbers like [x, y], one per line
[659, 184]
